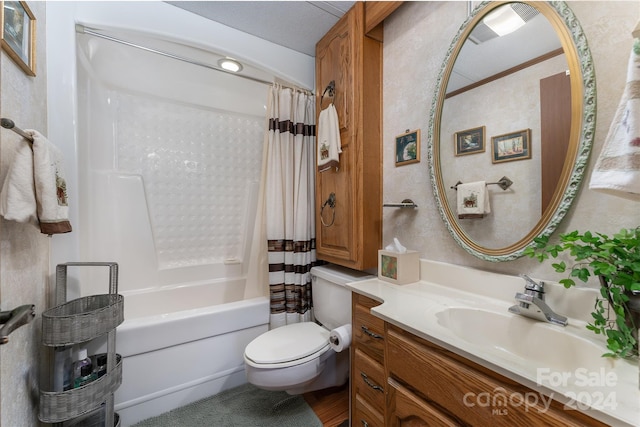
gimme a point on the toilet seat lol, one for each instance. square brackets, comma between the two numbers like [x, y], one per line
[287, 346]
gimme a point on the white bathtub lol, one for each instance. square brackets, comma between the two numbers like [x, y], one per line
[173, 356]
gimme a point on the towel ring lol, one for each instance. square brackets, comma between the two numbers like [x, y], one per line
[331, 87]
[331, 201]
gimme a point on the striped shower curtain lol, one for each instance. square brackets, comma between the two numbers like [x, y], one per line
[290, 203]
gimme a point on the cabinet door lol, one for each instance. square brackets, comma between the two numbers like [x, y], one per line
[349, 233]
[336, 61]
[406, 409]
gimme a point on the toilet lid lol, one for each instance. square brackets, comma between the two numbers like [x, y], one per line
[288, 343]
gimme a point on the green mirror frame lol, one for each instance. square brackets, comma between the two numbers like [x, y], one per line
[583, 121]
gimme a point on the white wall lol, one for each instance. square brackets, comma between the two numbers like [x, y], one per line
[416, 40]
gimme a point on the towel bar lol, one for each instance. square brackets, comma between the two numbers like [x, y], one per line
[8, 124]
[503, 183]
[406, 203]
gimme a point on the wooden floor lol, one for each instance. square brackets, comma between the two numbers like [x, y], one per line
[330, 405]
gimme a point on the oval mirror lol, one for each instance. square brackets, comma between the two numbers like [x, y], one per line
[516, 111]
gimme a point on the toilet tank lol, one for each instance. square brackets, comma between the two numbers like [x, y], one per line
[331, 299]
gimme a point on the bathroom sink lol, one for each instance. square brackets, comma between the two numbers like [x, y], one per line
[536, 343]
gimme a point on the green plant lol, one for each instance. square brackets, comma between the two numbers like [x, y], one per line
[616, 262]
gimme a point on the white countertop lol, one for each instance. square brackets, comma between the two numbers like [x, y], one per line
[608, 390]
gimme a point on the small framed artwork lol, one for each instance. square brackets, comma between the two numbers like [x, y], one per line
[469, 141]
[19, 34]
[408, 147]
[512, 146]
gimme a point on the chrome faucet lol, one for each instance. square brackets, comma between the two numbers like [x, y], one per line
[12, 320]
[531, 303]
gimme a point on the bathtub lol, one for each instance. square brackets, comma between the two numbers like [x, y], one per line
[174, 355]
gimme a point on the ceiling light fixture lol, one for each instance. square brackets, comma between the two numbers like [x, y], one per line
[503, 20]
[230, 64]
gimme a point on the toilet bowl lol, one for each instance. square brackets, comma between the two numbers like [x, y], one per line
[298, 358]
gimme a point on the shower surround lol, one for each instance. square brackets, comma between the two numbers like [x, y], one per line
[167, 157]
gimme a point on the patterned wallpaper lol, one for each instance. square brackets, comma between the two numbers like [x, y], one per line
[415, 41]
[24, 251]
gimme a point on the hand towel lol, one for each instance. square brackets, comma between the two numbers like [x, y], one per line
[18, 195]
[473, 200]
[617, 170]
[35, 189]
[329, 144]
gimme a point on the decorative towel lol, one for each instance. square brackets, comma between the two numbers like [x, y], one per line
[329, 144]
[617, 170]
[18, 195]
[473, 200]
[35, 189]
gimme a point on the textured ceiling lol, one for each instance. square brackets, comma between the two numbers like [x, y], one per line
[297, 25]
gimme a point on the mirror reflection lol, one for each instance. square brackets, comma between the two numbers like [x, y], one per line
[510, 107]
[480, 93]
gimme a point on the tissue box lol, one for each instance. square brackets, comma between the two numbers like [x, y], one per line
[398, 268]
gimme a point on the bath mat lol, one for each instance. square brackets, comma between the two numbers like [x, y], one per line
[244, 406]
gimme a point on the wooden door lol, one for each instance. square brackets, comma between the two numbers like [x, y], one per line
[555, 130]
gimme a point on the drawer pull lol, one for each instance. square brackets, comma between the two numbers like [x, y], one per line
[364, 423]
[371, 334]
[371, 384]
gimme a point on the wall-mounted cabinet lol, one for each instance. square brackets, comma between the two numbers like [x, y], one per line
[349, 230]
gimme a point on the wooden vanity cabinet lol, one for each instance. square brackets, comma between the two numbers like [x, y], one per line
[350, 233]
[368, 378]
[431, 386]
[401, 380]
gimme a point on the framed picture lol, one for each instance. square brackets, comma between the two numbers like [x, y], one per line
[469, 141]
[19, 34]
[408, 147]
[512, 146]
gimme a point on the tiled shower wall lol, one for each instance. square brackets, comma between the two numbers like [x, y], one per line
[200, 169]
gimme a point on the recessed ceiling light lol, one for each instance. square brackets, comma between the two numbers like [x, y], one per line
[230, 65]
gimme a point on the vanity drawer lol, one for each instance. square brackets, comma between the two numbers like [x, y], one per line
[408, 409]
[369, 380]
[460, 387]
[364, 415]
[368, 330]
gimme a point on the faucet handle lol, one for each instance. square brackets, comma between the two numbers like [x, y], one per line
[532, 285]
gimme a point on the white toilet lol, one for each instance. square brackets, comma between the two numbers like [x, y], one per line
[297, 358]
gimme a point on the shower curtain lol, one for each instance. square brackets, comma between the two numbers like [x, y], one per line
[289, 202]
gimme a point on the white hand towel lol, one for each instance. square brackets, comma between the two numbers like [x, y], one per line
[617, 170]
[35, 189]
[473, 200]
[329, 144]
[18, 195]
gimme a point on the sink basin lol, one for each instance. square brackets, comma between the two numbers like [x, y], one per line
[538, 344]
